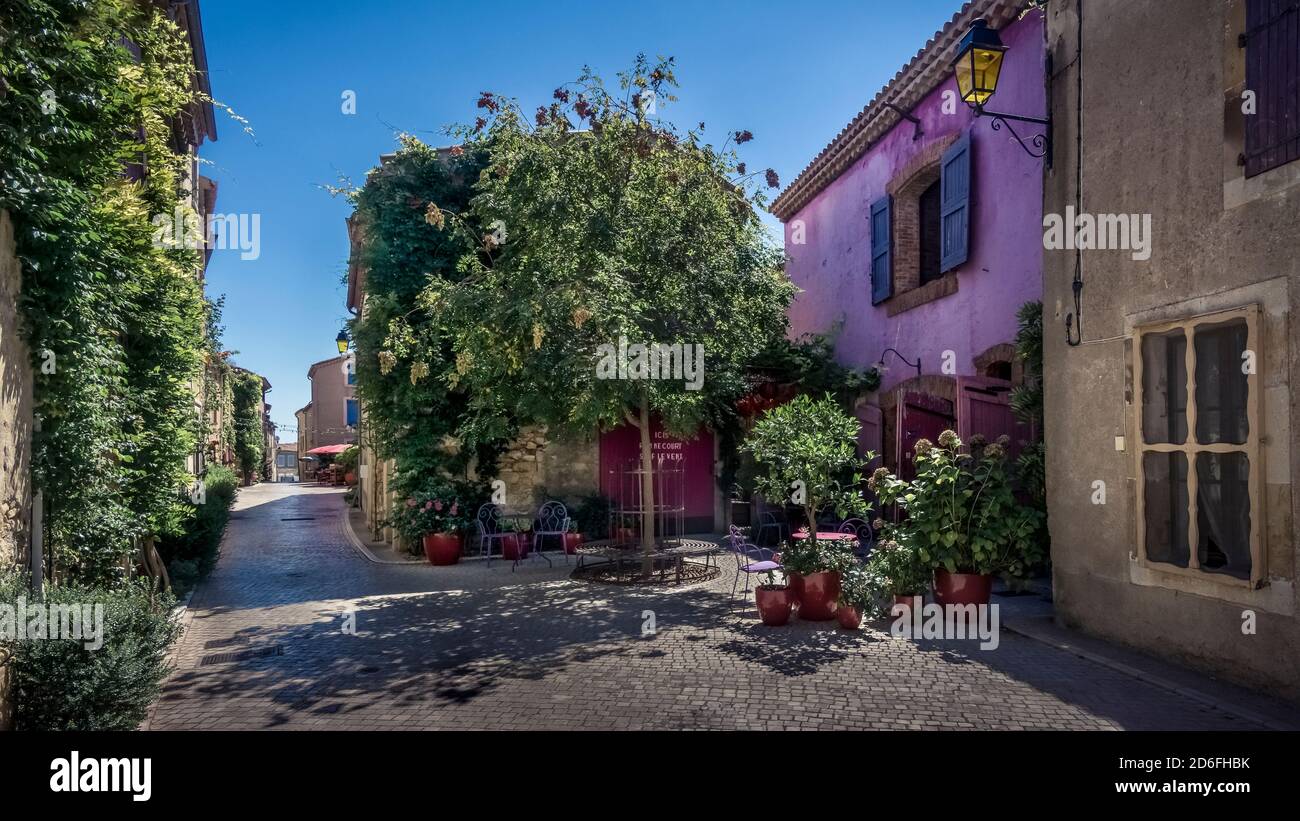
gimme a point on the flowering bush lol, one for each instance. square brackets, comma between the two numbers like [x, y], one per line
[962, 514]
[898, 570]
[434, 508]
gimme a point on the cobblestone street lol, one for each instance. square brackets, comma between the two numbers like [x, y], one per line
[473, 646]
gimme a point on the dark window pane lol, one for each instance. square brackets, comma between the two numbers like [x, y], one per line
[1166, 507]
[1221, 387]
[1223, 513]
[1164, 388]
[930, 251]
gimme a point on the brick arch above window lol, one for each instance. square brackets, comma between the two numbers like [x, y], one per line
[905, 189]
[1001, 352]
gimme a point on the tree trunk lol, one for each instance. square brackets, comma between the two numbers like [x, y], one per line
[647, 491]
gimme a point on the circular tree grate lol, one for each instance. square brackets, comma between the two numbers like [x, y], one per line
[666, 573]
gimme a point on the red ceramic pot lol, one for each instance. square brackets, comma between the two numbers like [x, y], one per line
[774, 604]
[819, 595]
[514, 546]
[571, 542]
[962, 588]
[442, 548]
[848, 617]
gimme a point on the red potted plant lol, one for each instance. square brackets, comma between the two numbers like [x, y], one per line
[434, 520]
[774, 601]
[514, 544]
[572, 539]
[963, 514]
[857, 597]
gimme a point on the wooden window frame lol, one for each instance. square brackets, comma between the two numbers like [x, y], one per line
[1190, 447]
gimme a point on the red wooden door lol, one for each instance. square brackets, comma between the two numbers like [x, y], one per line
[920, 416]
[620, 450]
[984, 407]
[871, 434]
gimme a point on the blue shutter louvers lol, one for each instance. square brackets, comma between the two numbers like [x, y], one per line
[954, 204]
[882, 274]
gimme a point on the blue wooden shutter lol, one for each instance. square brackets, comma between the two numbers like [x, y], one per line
[1272, 41]
[954, 204]
[882, 273]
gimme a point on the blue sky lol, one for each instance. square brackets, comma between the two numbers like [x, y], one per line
[793, 73]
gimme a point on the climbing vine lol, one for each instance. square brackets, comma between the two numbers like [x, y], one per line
[114, 319]
[248, 424]
[402, 342]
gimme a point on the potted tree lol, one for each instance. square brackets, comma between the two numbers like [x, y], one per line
[963, 519]
[806, 450]
[774, 601]
[857, 597]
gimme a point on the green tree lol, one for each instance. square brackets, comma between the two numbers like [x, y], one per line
[248, 424]
[600, 222]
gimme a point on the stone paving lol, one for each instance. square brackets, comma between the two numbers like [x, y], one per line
[471, 646]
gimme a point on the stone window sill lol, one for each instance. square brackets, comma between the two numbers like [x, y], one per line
[929, 292]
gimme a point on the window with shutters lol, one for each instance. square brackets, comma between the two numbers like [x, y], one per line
[1199, 485]
[920, 229]
[1272, 56]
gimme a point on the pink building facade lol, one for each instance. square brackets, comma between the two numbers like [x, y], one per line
[925, 238]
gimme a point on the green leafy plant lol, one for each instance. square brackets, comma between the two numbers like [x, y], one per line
[60, 684]
[962, 514]
[592, 515]
[898, 570]
[807, 451]
[437, 506]
[858, 589]
[191, 553]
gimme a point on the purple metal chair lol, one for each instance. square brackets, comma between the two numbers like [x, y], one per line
[750, 559]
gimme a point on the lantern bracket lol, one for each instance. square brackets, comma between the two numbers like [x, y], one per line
[1038, 145]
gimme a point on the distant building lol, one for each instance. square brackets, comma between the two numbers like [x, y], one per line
[286, 462]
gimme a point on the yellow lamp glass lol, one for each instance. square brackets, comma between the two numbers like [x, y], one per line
[977, 74]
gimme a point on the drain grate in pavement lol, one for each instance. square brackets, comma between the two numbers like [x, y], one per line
[299, 519]
[212, 645]
[242, 655]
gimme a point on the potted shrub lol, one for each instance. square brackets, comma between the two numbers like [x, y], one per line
[814, 568]
[572, 539]
[433, 518]
[898, 572]
[963, 519]
[774, 601]
[806, 451]
[514, 544]
[857, 596]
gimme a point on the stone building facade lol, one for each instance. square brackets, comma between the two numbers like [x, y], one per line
[1171, 424]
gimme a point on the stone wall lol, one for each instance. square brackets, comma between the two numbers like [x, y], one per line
[15, 426]
[564, 468]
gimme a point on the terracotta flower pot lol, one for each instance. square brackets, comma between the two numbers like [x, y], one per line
[819, 595]
[848, 617]
[514, 546]
[442, 548]
[962, 588]
[774, 604]
[571, 542]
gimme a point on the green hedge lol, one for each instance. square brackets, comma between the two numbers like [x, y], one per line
[192, 554]
[60, 684]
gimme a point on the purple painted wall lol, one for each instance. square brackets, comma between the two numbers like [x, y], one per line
[1003, 270]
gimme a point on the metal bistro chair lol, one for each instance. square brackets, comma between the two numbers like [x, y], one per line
[488, 522]
[552, 520]
[866, 537]
[750, 559]
[770, 521]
